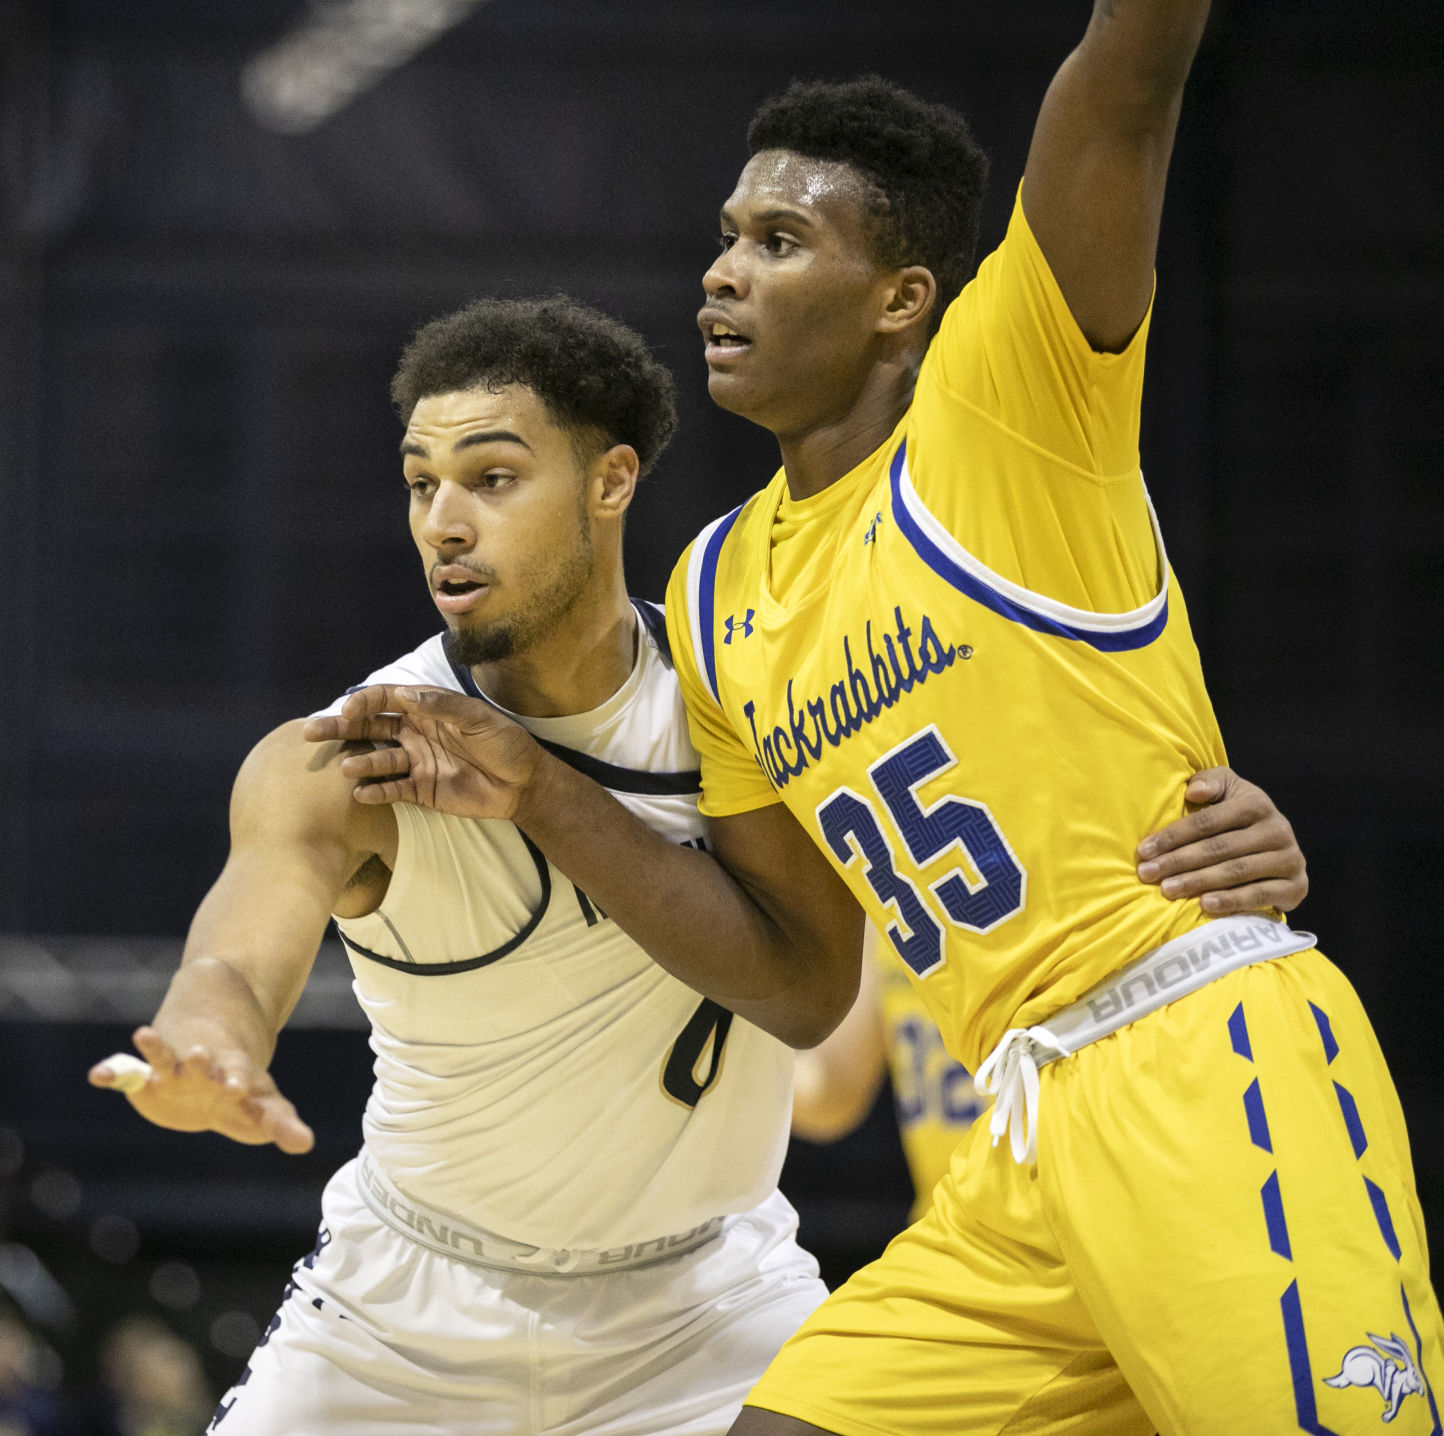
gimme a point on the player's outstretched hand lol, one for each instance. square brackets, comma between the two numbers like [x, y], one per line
[1235, 852]
[203, 1090]
[452, 753]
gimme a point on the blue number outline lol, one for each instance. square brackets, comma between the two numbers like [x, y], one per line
[921, 820]
[893, 889]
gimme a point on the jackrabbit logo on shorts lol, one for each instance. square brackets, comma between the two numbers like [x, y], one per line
[1365, 1366]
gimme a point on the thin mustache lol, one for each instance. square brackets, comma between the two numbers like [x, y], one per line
[481, 572]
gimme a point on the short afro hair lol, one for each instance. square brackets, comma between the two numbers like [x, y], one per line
[928, 171]
[596, 377]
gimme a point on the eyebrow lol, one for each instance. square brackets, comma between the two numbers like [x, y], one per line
[468, 441]
[771, 216]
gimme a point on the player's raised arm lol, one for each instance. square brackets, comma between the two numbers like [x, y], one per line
[296, 841]
[1093, 188]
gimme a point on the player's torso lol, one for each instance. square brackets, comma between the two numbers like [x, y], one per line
[536, 1072]
[979, 762]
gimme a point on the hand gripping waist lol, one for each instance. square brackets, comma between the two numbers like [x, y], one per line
[440, 1232]
[1178, 967]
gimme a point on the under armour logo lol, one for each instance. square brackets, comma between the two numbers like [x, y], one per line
[871, 535]
[1364, 1366]
[746, 625]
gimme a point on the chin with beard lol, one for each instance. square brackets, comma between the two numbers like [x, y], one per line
[467, 649]
[555, 599]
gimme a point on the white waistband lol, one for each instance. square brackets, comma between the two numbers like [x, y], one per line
[1169, 972]
[443, 1233]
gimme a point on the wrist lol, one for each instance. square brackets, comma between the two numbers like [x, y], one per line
[538, 796]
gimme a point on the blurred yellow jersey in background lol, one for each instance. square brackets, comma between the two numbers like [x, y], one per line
[934, 1095]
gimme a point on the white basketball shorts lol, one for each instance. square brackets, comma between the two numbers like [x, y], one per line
[377, 1335]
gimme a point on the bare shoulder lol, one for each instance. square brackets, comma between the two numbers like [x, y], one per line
[287, 785]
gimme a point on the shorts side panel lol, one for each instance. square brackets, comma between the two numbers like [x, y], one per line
[1231, 1184]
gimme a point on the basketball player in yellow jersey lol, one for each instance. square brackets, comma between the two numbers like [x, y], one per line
[946, 635]
[945, 638]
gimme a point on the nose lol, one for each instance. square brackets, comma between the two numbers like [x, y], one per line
[726, 276]
[448, 524]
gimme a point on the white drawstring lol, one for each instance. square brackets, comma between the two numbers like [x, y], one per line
[1010, 1071]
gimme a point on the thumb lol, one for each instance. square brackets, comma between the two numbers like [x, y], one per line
[1207, 786]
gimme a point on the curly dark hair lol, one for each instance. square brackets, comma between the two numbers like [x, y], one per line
[596, 377]
[927, 171]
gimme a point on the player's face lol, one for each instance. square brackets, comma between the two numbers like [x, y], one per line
[798, 287]
[498, 512]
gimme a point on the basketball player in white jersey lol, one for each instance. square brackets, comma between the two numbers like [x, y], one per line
[564, 1218]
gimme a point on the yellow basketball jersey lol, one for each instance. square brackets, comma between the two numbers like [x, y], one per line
[965, 666]
[934, 1095]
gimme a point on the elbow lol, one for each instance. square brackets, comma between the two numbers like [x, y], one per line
[811, 1023]
[797, 1020]
[802, 1033]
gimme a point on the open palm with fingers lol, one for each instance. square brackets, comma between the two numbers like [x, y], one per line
[209, 1090]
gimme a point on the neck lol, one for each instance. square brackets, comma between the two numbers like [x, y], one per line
[577, 667]
[817, 456]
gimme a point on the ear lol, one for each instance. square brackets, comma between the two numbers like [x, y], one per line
[910, 299]
[612, 480]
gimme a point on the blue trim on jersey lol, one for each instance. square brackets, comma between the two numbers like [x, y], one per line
[655, 619]
[1258, 1124]
[1238, 1033]
[1326, 1033]
[1278, 1228]
[1383, 1216]
[1350, 1109]
[1121, 641]
[1289, 1303]
[706, 595]
[1302, 1373]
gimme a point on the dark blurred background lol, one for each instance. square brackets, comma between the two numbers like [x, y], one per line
[218, 224]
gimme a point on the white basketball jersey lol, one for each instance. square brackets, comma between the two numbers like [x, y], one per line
[537, 1073]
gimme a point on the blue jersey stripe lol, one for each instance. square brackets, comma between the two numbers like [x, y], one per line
[706, 596]
[1278, 1228]
[1352, 1121]
[1297, 1343]
[1380, 1204]
[1105, 640]
[1258, 1123]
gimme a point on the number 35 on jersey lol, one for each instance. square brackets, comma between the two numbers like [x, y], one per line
[984, 885]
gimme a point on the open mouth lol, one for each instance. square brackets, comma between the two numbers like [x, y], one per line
[726, 338]
[457, 591]
[724, 343]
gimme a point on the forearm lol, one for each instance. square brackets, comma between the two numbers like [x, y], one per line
[692, 916]
[1144, 49]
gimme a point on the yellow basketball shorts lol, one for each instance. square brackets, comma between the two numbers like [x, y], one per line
[1221, 1235]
